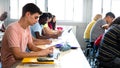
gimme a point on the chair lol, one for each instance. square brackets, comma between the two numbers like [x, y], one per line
[89, 53]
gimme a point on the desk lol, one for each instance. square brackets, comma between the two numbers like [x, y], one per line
[68, 59]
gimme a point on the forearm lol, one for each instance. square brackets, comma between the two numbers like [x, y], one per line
[18, 54]
[22, 55]
[34, 48]
[42, 41]
[48, 31]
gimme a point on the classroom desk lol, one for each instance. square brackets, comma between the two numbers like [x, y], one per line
[68, 59]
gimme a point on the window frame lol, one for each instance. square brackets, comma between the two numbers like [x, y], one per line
[46, 10]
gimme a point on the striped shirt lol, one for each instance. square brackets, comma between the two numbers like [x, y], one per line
[110, 44]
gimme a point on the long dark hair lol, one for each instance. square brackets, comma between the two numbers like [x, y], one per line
[53, 23]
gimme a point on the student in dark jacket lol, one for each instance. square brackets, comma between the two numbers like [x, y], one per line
[109, 51]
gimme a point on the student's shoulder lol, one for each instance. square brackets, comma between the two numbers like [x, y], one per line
[114, 26]
[99, 21]
[12, 24]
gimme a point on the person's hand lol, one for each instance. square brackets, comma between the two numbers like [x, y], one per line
[59, 32]
[45, 52]
[105, 26]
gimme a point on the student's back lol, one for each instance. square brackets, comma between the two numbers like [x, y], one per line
[109, 52]
[97, 29]
[89, 26]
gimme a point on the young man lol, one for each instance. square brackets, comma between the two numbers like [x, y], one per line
[97, 28]
[109, 51]
[18, 36]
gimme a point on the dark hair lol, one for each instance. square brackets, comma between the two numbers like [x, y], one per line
[110, 14]
[43, 18]
[3, 16]
[53, 23]
[32, 8]
[116, 21]
[53, 16]
[50, 15]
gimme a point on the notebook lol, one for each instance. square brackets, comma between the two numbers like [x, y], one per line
[41, 60]
[33, 60]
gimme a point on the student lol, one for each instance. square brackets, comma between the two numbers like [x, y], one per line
[35, 41]
[52, 23]
[98, 40]
[17, 37]
[41, 30]
[89, 27]
[2, 18]
[109, 51]
[37, 29]
[50, 32]
[50, 16]
[97, 29]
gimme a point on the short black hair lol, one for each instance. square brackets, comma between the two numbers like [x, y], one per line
[110, 14]
[44, 17]
[32, 8]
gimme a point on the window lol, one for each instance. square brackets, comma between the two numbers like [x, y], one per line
[70, 10]
[115, 9]
[16, 7]
[104, 6]
[41, 5]
[97, 7]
